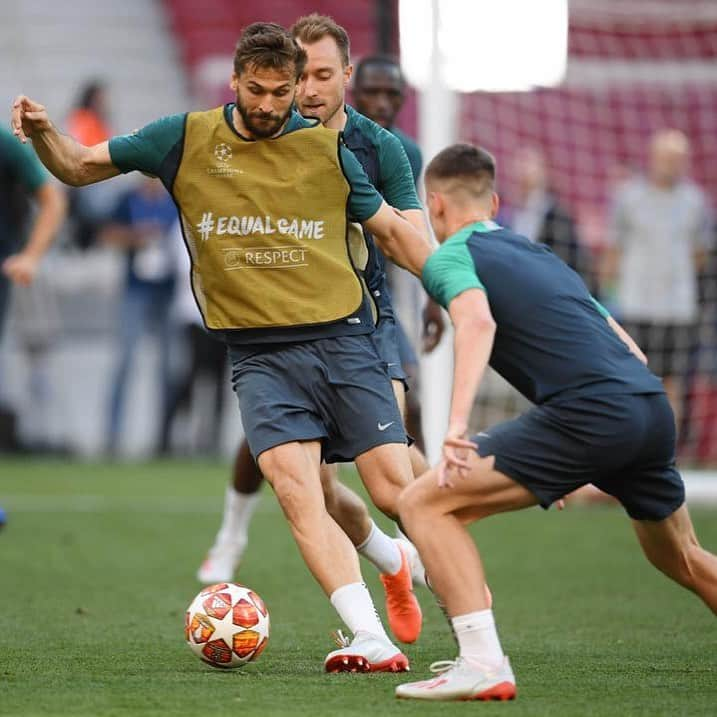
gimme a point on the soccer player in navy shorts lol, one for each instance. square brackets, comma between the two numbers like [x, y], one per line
[272, 206]
[321, 95]
[600, 416]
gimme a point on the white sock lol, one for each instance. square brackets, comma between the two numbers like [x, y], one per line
[238, 511]
[381, 550]
[355, 607]
[477, 638]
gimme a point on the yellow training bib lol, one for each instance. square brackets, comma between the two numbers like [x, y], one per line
[266, 226]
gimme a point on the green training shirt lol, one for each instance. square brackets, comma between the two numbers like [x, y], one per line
[552, 340]
[383, 159]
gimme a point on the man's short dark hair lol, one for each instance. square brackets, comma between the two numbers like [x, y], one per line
[471, 166]
[268, 45]
[385, 62]
[315, 27]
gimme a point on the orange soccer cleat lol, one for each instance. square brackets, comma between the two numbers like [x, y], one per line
[404, 612]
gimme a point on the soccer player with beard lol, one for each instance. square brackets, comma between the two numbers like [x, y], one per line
[274, 272]
[321, 95]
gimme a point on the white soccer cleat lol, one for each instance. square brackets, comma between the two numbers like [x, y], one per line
[221, 563]
[463, 679]
[365, 653]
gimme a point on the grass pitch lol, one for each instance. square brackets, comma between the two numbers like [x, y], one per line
[97, 567]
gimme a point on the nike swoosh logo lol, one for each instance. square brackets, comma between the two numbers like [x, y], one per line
[485, 435]
[384, 426]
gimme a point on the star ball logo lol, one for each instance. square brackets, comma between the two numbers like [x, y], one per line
[223, 155]
[223, 152]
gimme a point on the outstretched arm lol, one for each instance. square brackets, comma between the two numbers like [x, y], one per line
[70, 161]
[398, 239]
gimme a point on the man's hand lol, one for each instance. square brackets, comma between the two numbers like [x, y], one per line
[455, 455]
[21, 268]
[28, 118]
[433, 326]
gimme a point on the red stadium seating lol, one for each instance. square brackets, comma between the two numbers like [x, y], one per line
[212, 26]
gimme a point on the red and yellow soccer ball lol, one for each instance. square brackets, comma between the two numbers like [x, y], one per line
[227, 625]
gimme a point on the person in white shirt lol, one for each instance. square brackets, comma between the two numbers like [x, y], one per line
[660, 232]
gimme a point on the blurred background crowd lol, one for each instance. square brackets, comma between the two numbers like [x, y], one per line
[614, 169]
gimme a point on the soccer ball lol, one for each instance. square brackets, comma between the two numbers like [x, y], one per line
[227, 625]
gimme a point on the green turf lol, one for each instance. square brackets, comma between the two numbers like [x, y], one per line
[97, 564]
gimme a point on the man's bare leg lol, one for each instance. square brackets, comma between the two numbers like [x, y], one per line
[292, 469]
[344, 505]
[419, 464]
[672, 547]
[347, 509]
[246, 476]
[385, 471]
[435, 518]
[413, 418]
[351, 513]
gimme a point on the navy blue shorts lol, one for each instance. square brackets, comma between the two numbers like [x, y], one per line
[335, 390]
[386, 340]
[624, 444]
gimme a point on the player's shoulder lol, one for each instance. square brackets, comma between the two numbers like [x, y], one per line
[455, 246]
[164, 128]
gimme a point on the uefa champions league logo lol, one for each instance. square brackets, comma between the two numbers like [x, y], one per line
[223, 153]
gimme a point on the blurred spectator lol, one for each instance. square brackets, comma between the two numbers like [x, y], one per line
[142, 226]
[660, 234]
[206, 364]
[538, 215]
[37, 327]
[22, 178]
[87, 123]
